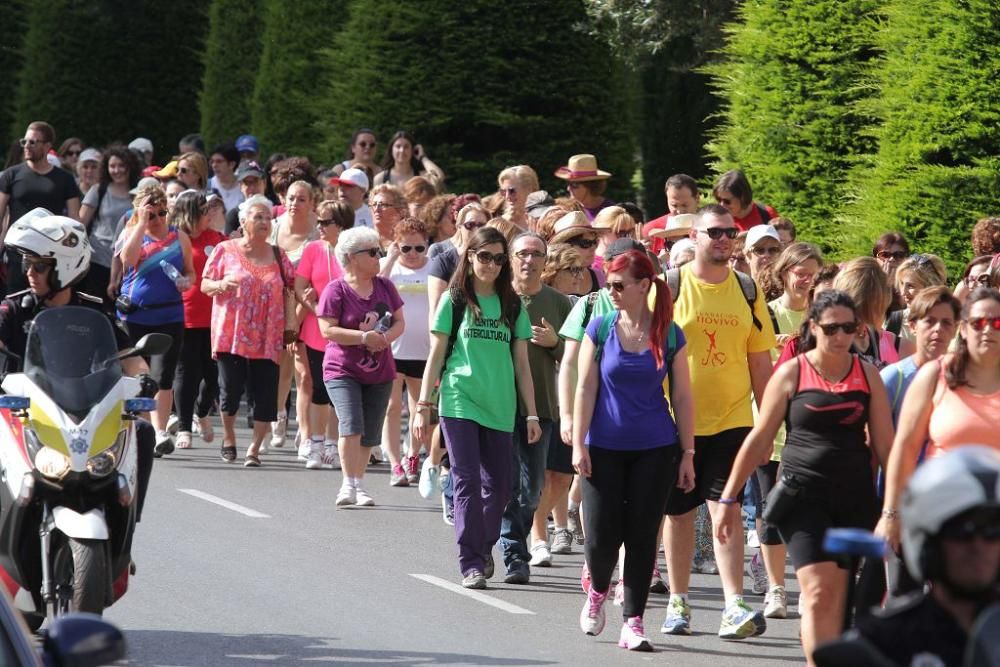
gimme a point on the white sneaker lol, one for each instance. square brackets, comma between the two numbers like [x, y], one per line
[776, 603]
[752, 540]
[363, 499]
[541, 556]
[278, 429]
[304, 449]
[347, 496]
[375, 456]
[633, 636]
[331, 456]
[173, 423]
[430, 480]
[315, 458]
[592, 616]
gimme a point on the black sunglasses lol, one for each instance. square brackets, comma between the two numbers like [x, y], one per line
[371, 252]
[831, 328]
[473, 225]
[323, 222]
[487, 258]
[981, 279]
[618, 286]
[411, 248]
[582, 243]
[37, 265]
[72, 153]
[760, 252]
[965, 531]
[899, 255]
[716, 233]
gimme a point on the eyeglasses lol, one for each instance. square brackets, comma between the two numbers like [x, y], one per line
[470, 226]
[582, 243]
[760, 252]
[716, 233]
[30, 142]
[486, 258]
[413, 248]
[381, 205]
[371, 252]
[366, 144]
[36, 265]
[966, 531]
[525, 255]
[618, 286]
[982, 279]
[72, 153]
[508, 191]
[981, 323]
[831, 328]
[885, 255]
[162, 213]
[575, 271]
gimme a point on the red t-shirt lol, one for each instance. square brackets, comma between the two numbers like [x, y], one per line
[197, 304]
[754, 217]
[656, 244]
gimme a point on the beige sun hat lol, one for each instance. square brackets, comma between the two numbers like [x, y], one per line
[570, 225]
[581, 168]
[678, 226]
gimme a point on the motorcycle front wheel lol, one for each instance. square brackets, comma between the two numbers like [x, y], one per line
[83, 566]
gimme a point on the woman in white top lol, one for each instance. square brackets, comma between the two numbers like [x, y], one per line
[407, 267]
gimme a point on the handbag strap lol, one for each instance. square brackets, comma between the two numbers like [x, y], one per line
[281, 269]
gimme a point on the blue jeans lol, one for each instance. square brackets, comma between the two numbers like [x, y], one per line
[528, 477]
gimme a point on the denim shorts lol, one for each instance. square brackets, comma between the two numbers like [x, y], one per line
[360, 408]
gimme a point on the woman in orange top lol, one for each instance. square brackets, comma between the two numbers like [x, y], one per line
[953, 401]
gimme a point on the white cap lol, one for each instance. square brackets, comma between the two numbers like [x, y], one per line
[141, 144]
[758, 232]
[144, 182]
[352, 177]
[90, 155]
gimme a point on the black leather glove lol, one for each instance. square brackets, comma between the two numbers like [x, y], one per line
[150, 387]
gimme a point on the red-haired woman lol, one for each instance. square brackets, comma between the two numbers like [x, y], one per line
[626, 445]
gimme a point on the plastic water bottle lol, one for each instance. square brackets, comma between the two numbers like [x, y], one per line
[384, 323]
[170, 270]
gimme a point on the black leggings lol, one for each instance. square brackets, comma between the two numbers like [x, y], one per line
[145, 440]
[767, 477]
[259, 377]
[195, 364]
[625, 497]
[320, 396]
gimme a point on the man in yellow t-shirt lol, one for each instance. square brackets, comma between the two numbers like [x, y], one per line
[729, 357]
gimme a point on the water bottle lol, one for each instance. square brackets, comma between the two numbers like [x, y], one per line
[384, 323]
[170, 270]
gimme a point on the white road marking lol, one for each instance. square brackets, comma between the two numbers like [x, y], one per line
[475, 595]
[222, 502]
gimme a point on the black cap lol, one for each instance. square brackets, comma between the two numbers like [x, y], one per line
[620, 247]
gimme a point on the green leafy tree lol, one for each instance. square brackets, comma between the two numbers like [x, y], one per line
[282, 110]
[116, 71]
[231, 58]
[482, 85]
[937, 166]
[11, 33]
[790, 79]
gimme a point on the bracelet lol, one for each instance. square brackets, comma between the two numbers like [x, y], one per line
[727, 501]
[689, 451]
[427, 404]
[531, 418]
[890, 513]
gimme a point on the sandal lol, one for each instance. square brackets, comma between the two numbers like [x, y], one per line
[184, 440]
[251, 461]
[228, 453]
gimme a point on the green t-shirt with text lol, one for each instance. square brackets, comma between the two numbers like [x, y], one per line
[574, 327]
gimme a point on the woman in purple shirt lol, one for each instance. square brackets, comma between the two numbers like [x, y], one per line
[625, 442]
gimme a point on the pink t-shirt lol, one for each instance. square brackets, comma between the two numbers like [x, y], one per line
[319, 265]
[250, 321]
[340, 302]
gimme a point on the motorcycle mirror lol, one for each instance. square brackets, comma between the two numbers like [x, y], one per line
[149, 345]
[83, 640]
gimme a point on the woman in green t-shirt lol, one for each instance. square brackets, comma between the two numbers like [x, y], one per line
[478, 363]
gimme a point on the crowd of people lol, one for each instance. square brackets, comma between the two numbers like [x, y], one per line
[554, 355]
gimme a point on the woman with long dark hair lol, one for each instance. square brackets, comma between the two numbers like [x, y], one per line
[479, 362]
[405, 159]
[361, 151]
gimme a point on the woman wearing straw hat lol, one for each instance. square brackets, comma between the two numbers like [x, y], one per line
[574, 229]
[586, 183]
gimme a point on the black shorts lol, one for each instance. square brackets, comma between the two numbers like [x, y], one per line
[161, 366]
[713, 461]
[411, 368]
[767, 477]
[560, 455]
[319, 393]
[851, 504]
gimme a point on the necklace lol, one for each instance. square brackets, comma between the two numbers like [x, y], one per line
[635, 333]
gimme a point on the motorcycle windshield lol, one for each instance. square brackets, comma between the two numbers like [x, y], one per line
[72, 356]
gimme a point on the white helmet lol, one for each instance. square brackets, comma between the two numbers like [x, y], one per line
[941, 489]
[54, 237]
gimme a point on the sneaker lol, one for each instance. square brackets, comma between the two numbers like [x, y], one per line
[363, 499]
[331, 456]
[585, 578]
[203, 427]
[164, 444]
[575, 525]
[278, 430]
[304, 449]
[173, 424]
[562, 541]
[758, 574]
[447, 510]
[657, 584]
[398, 476]
[347, 496]
[541, 556]
[412, 466]
[633, 636]
[706, 566]
[430, 480]
[518, 573]
[474, 579]
[776, 603]
[619, 594]
[752, 540]
[592, 615]
[739, 621]
[678, 620]
[489, 568]
[375, 456]
[314, 461]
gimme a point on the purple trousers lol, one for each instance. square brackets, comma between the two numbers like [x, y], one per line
[481, 483]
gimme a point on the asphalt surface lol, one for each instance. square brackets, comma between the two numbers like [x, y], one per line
[281, 577]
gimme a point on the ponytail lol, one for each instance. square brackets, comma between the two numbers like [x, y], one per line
[663, 310]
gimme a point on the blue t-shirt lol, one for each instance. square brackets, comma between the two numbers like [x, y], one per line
[897, 378]
[631, 411]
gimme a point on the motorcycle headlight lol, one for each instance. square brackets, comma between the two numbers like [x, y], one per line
[104, 463]
[51, 463]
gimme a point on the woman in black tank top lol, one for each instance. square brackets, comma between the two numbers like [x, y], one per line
[828, 397]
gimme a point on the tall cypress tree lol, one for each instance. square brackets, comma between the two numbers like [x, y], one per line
[231, 58]
[482, 85]
[11, 34]
[789, 80]
[937, 167]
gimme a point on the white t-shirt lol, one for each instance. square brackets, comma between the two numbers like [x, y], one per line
[231, 197]
[415, 343]
[363, 217]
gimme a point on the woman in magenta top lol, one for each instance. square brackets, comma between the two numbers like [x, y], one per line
[246, 282]
[317, 269]
[189, 214]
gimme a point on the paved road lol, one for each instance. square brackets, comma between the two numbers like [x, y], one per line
[279, 577]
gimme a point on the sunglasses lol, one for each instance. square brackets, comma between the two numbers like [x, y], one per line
[966, 531]
[162, 213]
[716, 233]
[323, 222]
[470, 226]
[371, 252]
[760, 252]
[36, 265]
[29, 142]
[72, 153]
[898, 256]
[982, 279]
[981, 323]
[831, 328]
[575, 271]
[366, 144]
[489, 258]
[582, 243]
[618, 286]
[413, 248]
